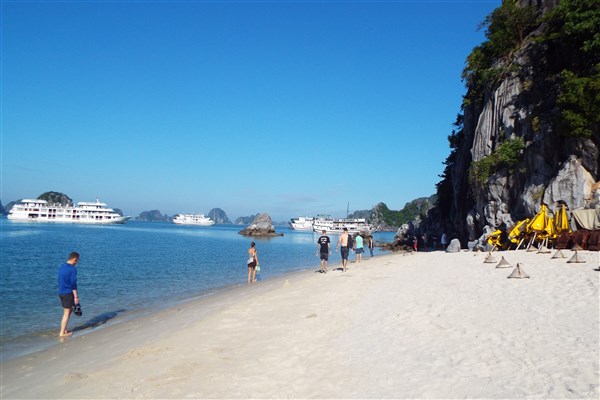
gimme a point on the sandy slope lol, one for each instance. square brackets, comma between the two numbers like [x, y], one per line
[430, 325]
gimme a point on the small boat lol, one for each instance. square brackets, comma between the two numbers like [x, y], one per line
[193, 219]
[83, 213]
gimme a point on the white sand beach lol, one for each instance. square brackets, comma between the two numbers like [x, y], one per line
[428, 325]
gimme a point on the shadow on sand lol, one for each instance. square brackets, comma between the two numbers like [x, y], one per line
[98, 320]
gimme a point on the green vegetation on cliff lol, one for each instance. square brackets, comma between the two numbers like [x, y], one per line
[573, 39]
[418, 208]
[508, 155]
[507, 27]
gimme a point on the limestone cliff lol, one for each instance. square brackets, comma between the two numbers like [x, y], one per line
[529, 130]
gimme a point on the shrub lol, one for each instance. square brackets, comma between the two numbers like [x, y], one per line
[507, 155]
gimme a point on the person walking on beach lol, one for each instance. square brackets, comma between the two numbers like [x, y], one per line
[371, 245]
[342, 244]
[67, 291]
[359, 247]
[444, 241]
[324, 248]
[252, 262]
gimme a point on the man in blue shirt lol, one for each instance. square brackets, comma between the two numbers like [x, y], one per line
[67, 290]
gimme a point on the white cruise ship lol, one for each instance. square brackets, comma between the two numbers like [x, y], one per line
[193, 219]
[83, 213]
[353, 225]
[302, 223]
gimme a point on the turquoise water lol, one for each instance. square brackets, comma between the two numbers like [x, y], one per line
[126, 269]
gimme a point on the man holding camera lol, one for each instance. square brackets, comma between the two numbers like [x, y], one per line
[67, 290]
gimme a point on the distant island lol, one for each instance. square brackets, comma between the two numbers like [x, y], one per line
[219, 216]
[153, 216]
[245, 220]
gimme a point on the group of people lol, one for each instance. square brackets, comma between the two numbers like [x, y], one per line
[345, 243]
[67, 273]
[429, 241]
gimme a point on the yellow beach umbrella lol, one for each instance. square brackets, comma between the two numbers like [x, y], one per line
[561, 221]
[550, 231]
[539, 222]
[518, 230]
[494, 238]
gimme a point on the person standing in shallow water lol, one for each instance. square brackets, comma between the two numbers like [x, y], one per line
[324, 248]
[371, 245]
[67, 291]
[252, 262]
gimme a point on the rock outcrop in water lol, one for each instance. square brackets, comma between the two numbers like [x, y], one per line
[261, 226]
[529, 131]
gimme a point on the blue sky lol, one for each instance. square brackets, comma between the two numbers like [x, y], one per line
[285, 107]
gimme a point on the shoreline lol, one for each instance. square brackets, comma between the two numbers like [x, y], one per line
[430, 324]
[46, 341]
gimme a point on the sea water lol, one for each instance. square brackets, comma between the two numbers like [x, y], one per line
[127, 269]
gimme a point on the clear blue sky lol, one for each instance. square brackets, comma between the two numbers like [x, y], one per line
[285, 107]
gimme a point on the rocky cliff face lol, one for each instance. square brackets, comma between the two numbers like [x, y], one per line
[511, 151]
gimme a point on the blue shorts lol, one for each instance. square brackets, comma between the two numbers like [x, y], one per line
[359, 250]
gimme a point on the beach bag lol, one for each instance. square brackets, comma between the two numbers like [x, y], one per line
[350, 241]
[257, 267]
